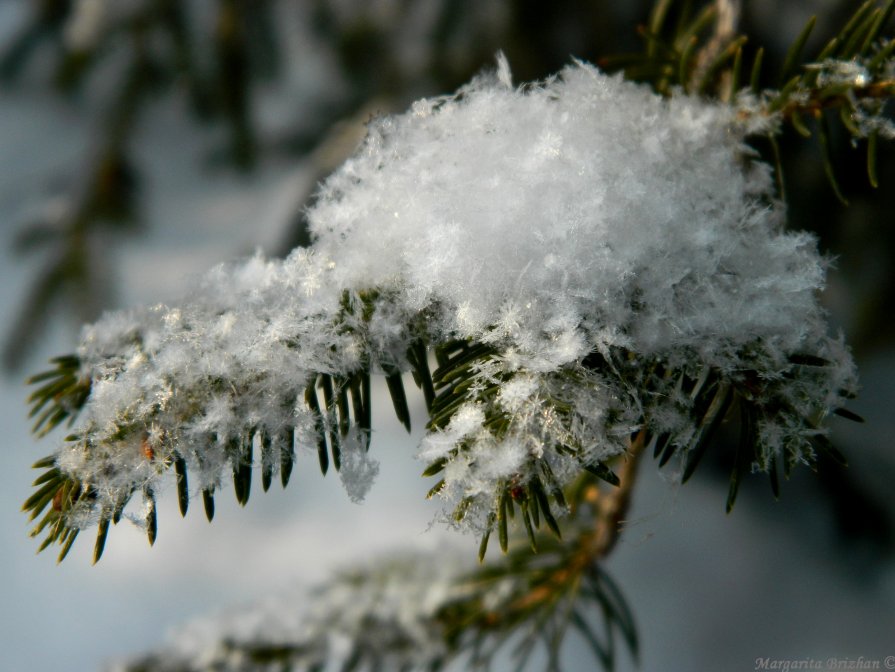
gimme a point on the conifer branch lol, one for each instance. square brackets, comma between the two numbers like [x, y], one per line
[555, 371]
[850, 75]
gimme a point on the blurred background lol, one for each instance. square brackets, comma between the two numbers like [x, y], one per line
[143, 141]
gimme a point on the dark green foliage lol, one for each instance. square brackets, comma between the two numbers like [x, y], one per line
[101, 535]
[208, 502]
[241, 454]
[558, 592]
[453, 383]
[314, 406]
[329, 399]
[399, 398]
[545, 605]
[151, 517]
[795, 51]
[345, 402]
[287, 457]
[267, 463]
[745, 454]
[713, 398]
[685, 54]
[823, 134]
[562, 589]
[721, 398]
[57, 494]
[519, 504]
[183, 488]
[60, 396]
[419, 362]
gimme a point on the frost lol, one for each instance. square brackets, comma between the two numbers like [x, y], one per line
[558, 224]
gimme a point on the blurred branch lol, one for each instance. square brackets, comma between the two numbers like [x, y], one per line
[106, 197]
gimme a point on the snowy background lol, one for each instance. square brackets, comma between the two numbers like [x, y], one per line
[709, 591]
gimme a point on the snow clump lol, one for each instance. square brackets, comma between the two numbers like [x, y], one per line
[584, 229]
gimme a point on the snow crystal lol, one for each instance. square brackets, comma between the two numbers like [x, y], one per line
[586, 198]
[553, 222]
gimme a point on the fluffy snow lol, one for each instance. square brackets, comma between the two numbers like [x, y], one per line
[581, 215]
[587, 212]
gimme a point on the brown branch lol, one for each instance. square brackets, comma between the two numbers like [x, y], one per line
[613, 506]
[820, 101]
[610, 509]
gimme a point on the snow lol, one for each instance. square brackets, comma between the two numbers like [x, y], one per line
[583, 214]
[386, 610]
[759, 579]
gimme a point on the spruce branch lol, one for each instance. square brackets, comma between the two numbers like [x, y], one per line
[847, 82]
[561, 358]
[515, 604]
[516, 413]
